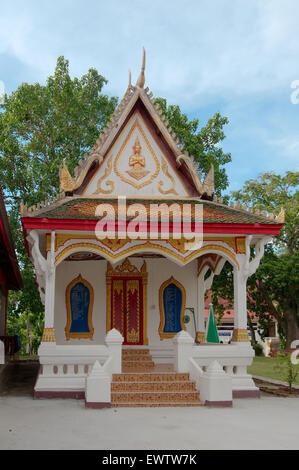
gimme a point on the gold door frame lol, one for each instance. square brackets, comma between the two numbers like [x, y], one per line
[126, 269]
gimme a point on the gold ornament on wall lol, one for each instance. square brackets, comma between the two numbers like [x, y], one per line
[108, 170]
[166, 173]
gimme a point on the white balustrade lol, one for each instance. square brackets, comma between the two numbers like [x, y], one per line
[233, 358]
[66, 367]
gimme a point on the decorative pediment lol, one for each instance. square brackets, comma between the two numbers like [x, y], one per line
[135, 156]
[136, 165]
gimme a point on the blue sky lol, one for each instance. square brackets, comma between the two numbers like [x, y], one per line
[231, 56]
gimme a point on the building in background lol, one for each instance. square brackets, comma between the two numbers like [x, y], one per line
[10, 279]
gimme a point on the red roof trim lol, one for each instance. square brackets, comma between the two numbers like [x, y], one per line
[89, 225]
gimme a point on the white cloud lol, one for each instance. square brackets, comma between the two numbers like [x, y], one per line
[194, 53]
[229, 56]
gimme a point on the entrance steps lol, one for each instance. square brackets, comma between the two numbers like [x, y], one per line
[136, 360]
[140, 385]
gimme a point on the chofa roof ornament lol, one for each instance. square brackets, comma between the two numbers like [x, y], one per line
[141, 79]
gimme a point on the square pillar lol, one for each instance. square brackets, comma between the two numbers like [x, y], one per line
[240, 333]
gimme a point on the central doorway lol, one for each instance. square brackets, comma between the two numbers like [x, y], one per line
[126, 302]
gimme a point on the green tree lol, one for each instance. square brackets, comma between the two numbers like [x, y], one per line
[273, 291]
[42, 124]
[202, 143]
[39, 126]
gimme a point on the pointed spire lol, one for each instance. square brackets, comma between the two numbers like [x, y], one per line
[130, 79]
[141, 79]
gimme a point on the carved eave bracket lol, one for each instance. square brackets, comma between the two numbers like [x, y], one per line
[43, 267]
[250, 267]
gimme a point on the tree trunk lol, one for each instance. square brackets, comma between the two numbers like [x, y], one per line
[290, 322]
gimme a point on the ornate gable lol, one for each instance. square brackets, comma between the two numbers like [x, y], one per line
[137, 154]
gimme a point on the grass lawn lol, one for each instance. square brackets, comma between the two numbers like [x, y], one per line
[265, 367]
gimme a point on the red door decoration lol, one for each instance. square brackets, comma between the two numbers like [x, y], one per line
[126, 301]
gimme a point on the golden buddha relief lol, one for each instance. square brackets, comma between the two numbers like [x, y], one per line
[137, 161]
[143, 164]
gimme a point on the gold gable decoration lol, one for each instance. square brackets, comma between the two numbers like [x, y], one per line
[137, 161]
[67, 183]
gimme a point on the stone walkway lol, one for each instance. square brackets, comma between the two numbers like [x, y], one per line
[265, 423]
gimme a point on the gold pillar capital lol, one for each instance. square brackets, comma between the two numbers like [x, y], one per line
[240, 335]
[48, 335]
[200, 337]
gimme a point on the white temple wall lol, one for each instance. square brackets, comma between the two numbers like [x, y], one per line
[94, 271]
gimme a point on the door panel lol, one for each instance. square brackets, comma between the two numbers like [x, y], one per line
[127, 309]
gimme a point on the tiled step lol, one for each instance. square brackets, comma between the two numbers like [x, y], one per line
[137, 366]
[145, 405]
[150, 377]
[140, 352]
[137, 358]
[154, 397]
[153, 387]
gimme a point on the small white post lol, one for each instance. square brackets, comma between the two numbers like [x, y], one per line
[183, 345]
[216, 386]
[114, 341]
[98, 388]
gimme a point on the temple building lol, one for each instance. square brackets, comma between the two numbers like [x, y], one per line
[118, 272]
[10, 279]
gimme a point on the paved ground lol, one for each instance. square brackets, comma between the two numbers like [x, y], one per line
[18, 378]
[265, 423]
[25, 423]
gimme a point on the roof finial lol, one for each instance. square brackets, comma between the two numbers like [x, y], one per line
[141, 79]
[130, 79]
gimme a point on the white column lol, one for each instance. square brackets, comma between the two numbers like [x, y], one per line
[246, 268]
[240, 299]
[50, 276]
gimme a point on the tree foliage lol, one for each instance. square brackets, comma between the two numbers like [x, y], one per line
[42, 124]
[273, 291]
[203, 144]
